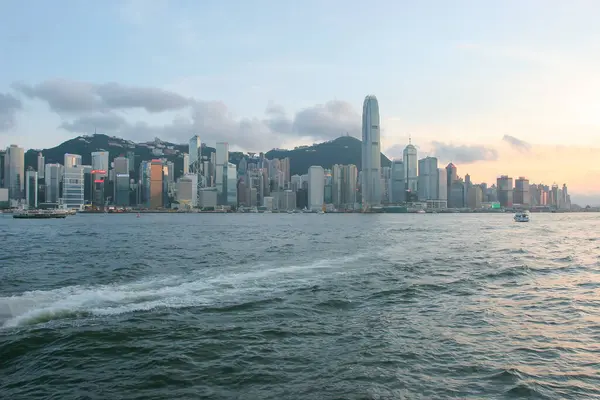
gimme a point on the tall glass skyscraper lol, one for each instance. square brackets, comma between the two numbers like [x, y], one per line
[371, 153]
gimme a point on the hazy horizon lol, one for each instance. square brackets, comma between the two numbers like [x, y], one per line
[499, 89]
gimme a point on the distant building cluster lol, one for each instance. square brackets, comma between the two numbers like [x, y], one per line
[213, 182]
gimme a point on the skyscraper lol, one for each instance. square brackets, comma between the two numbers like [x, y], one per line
[155, 199]
[14, 173]
[31, 188]
[41, 165]
[409, 159]
[371, 153]
[121, 181]
[505, 191]
[428, 179]
[52, 180]
[72, 160]
[316, 187]
[221, 161]
[195, 152]
[451, 176]
[521, 193]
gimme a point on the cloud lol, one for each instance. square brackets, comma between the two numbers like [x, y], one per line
[87, 107]
[214, 122]
[517, 144]
[66, 96]
[463, 153]
[9, 105]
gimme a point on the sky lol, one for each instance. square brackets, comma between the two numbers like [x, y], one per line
[496, 88]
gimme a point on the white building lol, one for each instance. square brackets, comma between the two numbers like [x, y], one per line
[268, 203]
[316, 187]
[72, 160]
[73, 186]
[187, 191]
[371, 153]
[410, 168]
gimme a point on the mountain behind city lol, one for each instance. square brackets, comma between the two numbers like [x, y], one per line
[343, 150]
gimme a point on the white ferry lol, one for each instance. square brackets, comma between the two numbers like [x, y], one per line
[522, 217]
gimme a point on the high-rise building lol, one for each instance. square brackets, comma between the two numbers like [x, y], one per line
[73, 183]
[52, 180]
[100, 160]
[398, 186]
[371, 154]
[409, 159]
[232, 195]
[316, 187]
[187, 191]
[3, 166]
[186, 163]
[451, 176]
[122, 182]
[221, 161]
[457, 195]
[195, 153]
[475, 197]
[442, 190]
[521, 193]
[41, 165]
[505, 191]
[72, 160]
[14, 173]
[155, 199]
[428, 179]
[31, 188]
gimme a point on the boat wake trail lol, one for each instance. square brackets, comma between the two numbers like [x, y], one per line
[196, 290]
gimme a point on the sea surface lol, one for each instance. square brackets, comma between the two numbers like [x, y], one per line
[269, 306]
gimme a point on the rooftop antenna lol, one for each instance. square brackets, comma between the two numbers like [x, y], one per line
[409, 139]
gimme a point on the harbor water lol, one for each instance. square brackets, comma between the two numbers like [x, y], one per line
[300, 306]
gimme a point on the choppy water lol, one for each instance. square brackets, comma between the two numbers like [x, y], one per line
[300, 307]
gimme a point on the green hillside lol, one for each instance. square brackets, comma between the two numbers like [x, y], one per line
[343, 150]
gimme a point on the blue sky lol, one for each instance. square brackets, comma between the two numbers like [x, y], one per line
[458, 76]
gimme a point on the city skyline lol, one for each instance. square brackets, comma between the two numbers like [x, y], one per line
[486, 86]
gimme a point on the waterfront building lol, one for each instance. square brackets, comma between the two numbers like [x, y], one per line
[505, 191]
[14, 172]
[31, 188]
[316, 187]
[371, 153]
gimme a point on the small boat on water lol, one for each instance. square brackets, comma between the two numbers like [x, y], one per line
[521, 217]
[40, 214]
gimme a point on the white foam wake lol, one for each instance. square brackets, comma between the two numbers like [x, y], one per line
[261, 282]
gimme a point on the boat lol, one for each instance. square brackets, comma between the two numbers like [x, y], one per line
[521, 217]
[40, 214]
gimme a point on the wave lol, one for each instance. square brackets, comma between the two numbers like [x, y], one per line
[227, 292]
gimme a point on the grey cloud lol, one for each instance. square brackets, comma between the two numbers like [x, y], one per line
[65, 96]
[86, 106]
[463, 153]
[517, 144]
[328, 121]
[9, 105]
[214, 122]
[109, 122]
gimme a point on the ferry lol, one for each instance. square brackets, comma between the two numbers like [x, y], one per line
[40, 214]
[521, 217]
